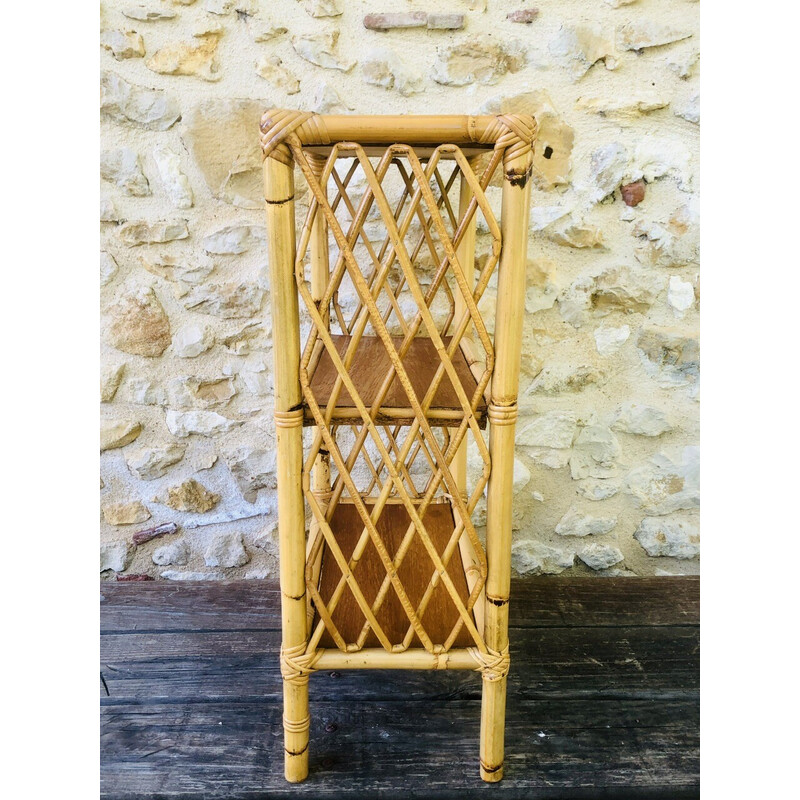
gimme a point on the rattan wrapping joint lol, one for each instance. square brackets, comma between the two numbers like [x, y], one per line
[493, 664]
[289, 419]
[502, 415]
[296, 664]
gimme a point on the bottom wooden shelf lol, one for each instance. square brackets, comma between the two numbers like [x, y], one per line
[415, 573]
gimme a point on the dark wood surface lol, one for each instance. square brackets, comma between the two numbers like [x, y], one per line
[369, 369]
[602, 702]
[415, 572]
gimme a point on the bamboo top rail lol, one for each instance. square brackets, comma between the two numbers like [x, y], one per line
[514, 133]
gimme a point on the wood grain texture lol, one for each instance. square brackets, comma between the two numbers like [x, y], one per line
[602, 700]
[370, 365]
[415, 572]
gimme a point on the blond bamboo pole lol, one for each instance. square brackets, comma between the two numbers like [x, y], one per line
[378, 658]
[321, 475]
[502, 418]
[466, 257]
[279, 195]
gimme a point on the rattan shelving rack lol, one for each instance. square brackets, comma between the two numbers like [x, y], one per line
[398, 374]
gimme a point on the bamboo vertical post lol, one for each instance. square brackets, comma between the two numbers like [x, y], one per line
[466, 258]
[320, 274]
[279, 195]
[502, 419]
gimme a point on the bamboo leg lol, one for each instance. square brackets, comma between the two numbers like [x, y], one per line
[502, 418]
[279, 194]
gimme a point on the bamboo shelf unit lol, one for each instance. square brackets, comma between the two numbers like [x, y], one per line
[394, 350]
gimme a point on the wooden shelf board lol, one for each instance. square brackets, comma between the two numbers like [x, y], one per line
[414, 573]
[368, 370]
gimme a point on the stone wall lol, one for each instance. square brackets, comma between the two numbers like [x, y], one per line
[606, 478]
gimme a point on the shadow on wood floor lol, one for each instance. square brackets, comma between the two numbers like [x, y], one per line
[602, 700]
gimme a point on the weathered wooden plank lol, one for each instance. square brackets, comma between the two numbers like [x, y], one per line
[234, 751]
[539, 602]
[546, 662]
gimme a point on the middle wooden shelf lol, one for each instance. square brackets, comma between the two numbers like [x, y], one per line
[368, 370]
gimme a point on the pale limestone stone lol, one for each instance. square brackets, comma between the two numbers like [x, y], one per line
[578, 523]
[607, 166]
[562, 378]
[272, 70]
[115, 555]
[138, 232]
[192, 340]
[543, 286]
[122, 168]
[110, 379]
[191, 496]
[594, 454]
[145, 392]
[204, 423]
[578, 234]
[690, 110]
[659, 156]
[601, 292]
[251, 338]
[177, 575]
[253, 469]
[623, 106]
[609, 340]
[234, 239]
[218, 134]
[198, 58]
[210, 393]
[480, 59]
[549, 457]
[137, 323]
[597, 489]
[172, 554]
[148, 13]
[175, 183]
[256, 382]
[597, 555]
[108, 212]
[125, 513]
[227, 300]
[190, 271]
[553, 149]
[265, 30]
[382, 67]
[123, 44]
[683, 64]
[672, 537]
[154, 462]
[108, 268]
[327, 101]
[322, 8]
[321, 49]
[642, 420]
[226, 549]
[669, 355]
[680, 294]
[536, 558]
[644, 33]
[268, 538]
[522, 476]
[117, 433]
[582, 46]
[152, 109]
[666, 484]
[620, 3]
[553, 429]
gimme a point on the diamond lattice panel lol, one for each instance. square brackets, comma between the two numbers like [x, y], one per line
[394, 376]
